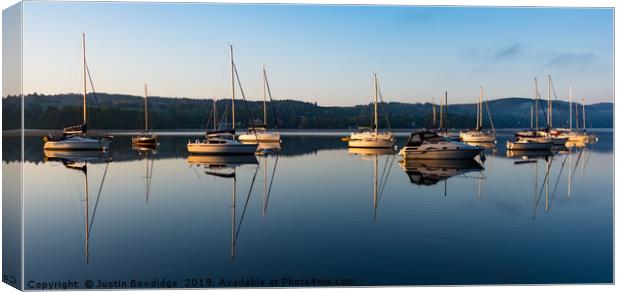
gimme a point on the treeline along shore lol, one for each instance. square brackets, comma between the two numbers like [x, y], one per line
[120, 111]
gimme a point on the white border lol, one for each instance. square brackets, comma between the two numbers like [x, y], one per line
[505, 3]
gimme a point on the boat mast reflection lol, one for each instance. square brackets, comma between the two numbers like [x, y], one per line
[226, 167]
[78, 161]
[378, 185]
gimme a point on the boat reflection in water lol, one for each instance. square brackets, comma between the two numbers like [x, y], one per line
[78, 161]
[225, 167]
[431, 172]
[148, 151]
[485, 145]
[267, 148]
[527, 154]
[378, 184]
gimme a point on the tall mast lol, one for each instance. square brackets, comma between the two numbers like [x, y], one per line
[375, 185]
[570, 108]
[549, 105]
[445, 124]
[86, 221]
[146, 109]
[583, 106]
[434, 116]
[214, 116]
[232, 84]
[441, 114]
[84, 77]
[374, 77]
[480, 107]
[531, 117]
[264, 96]
[536, 101]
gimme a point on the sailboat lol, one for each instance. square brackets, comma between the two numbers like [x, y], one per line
[534, 138]
[580, 137]
[75, 138]
[372, 137]
[477, 135]
[145, 139]
[261, 133]
[223, 141]
[556, 136]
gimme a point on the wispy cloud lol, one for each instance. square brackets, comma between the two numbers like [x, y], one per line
[571, 59]
[511, 51]
[500, 54]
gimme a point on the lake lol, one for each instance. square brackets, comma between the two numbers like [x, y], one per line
[316, 214]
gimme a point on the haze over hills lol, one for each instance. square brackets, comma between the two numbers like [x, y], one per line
[120, 111]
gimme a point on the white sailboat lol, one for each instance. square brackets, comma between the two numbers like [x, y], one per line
[372, 138]
[75, 138]
[555, 135]
[261, 133]
[580, 136]
[477, 135]
[223, 141]
[145, 139]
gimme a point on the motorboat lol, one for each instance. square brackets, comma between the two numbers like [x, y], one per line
[429, 145]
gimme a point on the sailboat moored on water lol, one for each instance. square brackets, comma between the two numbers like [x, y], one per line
[372, 137]
[75, 138]
[261, 133]
[145, 139]
[478, 135]
[223, 141]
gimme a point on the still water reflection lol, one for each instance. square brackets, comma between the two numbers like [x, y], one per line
[318, 210]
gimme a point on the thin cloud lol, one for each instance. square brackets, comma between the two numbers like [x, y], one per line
[509, 52]
[571, 59]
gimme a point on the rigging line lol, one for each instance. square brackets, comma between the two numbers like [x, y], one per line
[247, 109]
[208, 120]
[271, 181]
[92, 219]
[271, 103]
[385, 182]
[92, 86]
[576, 164]
[561, 113]
[545, 180]
[490, 117]
[246, 205]
[557, 181]
[384, 107]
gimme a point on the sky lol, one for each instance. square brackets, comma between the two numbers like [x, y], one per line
[319, 53]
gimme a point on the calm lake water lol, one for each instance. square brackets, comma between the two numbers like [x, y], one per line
[313, 212]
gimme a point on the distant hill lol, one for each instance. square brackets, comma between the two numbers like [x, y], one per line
[120, 111]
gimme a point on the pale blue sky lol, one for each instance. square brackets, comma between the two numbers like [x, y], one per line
[319, 53]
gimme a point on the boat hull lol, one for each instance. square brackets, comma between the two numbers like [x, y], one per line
[371, 143]
[222, 149]
[477, 137]
[78, 144]
[144, 140]
[259, 137]
[440, 154]
[529, 145]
